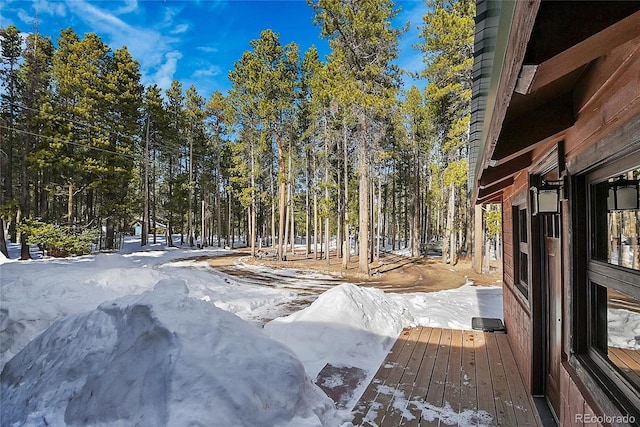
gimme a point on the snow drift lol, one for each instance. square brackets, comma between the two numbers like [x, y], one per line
[159, 358]
[347, 325]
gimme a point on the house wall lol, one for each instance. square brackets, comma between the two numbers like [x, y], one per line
[606, 101]
[607, 97]
[517, 317]
[575, 410]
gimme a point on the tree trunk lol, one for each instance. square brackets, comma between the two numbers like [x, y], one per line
[109, 238]
[394, 218]
[203, 224]
[218, 201]
[451, 229]
[326, 201]
[287, 220]
[282, 178]
[363, 187]
[153, 189]
[190, 215]
[315, 225]
[169, 232]
[252, 209]
[307, 207]
[70, 204]
[291, 205]
[3, 242]
[379, 220]
[145, 211]
[273, 209]
[229, 222]
[346, 250]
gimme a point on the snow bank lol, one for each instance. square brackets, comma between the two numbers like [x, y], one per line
[623, 328]
[159, 358]
[453, 308]
[36, 293]
[347, 325]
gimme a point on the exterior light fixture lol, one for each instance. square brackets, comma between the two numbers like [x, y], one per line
[623, 195]
[546, 198]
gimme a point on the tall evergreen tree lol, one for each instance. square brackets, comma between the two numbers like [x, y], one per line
[175, 194]
[448, 54]
[195, 115]
[10, 53]
[156, 129]
[308, 122]
[217, 111]
[123, 103]
[364, 44]
[35, 78]
[267, 78]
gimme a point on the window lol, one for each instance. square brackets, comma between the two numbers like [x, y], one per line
[613, 281]
[521, 247]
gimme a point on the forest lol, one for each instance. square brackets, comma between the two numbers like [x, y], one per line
[328, 151]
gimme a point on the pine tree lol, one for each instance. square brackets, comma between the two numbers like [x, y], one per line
[10, 53]
[195, 115]
[308, 121]
[156, 129]
[35, 78]
[123, 110]
[217, 114]
[364, 44]
[175, 186]
[265, 83]
[448, 48]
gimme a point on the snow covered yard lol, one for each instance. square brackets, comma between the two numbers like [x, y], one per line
[155, 337]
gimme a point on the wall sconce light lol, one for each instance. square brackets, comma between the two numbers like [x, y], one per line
[623, 195]
[546, 197]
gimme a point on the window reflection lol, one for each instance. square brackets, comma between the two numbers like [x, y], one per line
[623, 233]
[617, 221]
[623, 334]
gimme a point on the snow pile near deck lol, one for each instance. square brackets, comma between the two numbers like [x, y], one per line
[159, 358]
[347, 325]
[36, 293]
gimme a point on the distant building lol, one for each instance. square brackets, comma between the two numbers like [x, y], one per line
[136, 226]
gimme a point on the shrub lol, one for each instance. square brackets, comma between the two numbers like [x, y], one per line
[59, 240]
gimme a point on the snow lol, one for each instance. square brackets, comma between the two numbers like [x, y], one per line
[155, 336]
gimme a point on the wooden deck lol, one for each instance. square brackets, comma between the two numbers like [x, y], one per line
[443, 377]
[628, 361]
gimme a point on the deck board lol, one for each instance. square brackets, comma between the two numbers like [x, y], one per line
[523, 410]
[437, 377]
[404, 390]
[371, 392]
[486, 402]
[423, 378]
[628, 361]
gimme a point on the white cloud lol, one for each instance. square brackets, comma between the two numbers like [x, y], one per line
[130, 6]
[180, 29]
[39, 9]
[164, 76]
[208, 49]
[50, 8]
[156, 52]
[212, 71]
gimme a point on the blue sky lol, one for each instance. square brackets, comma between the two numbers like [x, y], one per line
[196, 42]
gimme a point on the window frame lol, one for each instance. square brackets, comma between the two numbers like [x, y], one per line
[596, 277]
[521, 246]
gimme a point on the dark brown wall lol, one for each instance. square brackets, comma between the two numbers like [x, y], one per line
[606, 99]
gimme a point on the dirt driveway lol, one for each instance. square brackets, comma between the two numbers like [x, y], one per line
[394, 273]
